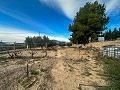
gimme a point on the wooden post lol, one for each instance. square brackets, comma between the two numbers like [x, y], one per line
[27, 70]
[46, 53]
[79, 51]
[1, 46]
[14, 49]
[32, 53]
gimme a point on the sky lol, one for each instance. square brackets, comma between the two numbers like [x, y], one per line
[22, 18]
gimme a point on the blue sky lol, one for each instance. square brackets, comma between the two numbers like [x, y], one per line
[21, 18]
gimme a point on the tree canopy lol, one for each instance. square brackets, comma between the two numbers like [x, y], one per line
[89, 22]
[112, 34]
[39, 41]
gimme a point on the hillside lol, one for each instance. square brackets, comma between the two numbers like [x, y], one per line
[62, 69]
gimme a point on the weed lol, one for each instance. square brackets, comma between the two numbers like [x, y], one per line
[33, 72]
[3, 59]
[112, 70]
[44, 69]
[86, 73]
[27, 81]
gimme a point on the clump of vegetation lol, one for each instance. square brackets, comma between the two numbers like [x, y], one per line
[37, 41]
[112, 34]
[112, 71]
[78, 61]
[69, 44]
[27, 82]
[33, 72]
[44, 69]
[3, 59]
[86, 73]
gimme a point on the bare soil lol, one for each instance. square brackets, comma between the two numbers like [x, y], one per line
[62, 69]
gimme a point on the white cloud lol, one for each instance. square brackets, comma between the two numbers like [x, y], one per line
[70, 7]
[9, 34]
[112, 7]
[19, 35]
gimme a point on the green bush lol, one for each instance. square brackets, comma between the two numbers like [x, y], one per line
[112, 71]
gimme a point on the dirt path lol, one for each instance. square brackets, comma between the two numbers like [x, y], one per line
[64, 79]
[68, 74]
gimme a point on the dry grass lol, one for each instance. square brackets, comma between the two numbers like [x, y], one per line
[62, 68]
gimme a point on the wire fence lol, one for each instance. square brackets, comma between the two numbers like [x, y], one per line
[111, 51]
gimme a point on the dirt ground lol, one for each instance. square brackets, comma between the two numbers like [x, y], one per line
[62, 69]
[72, 68]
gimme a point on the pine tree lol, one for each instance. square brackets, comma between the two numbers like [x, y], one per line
[90, 21]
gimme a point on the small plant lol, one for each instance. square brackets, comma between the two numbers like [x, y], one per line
[3, 58]
[44, 69]
[33, 72]
[86, 73]
[80, 60]
[27, 82]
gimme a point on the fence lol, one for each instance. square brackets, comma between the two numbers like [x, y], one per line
[111, 51]
[11, 46]
[12, 72]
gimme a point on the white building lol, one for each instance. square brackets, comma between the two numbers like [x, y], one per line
[100, 39]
